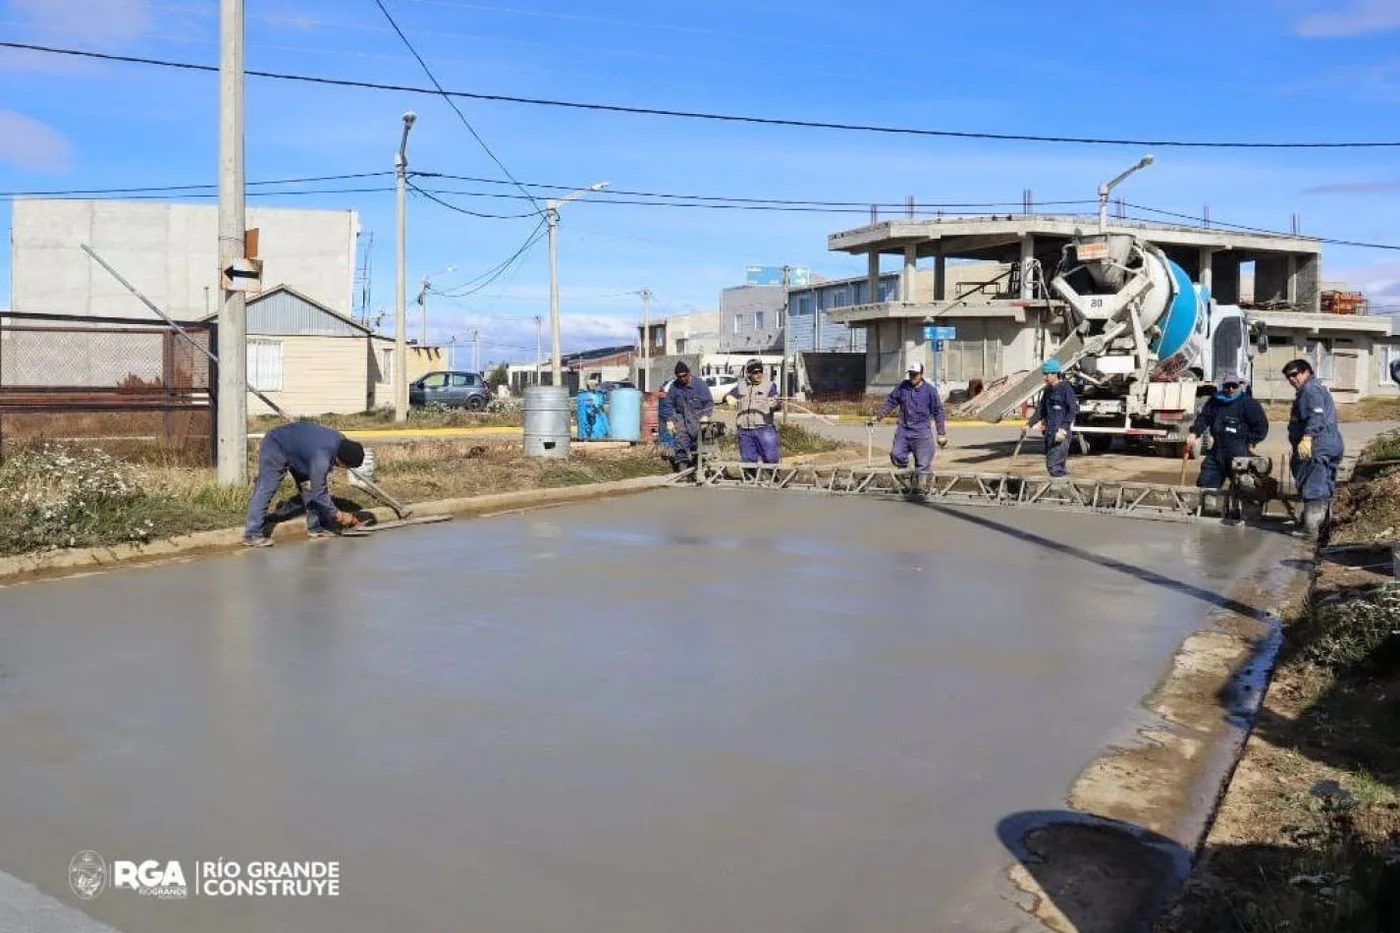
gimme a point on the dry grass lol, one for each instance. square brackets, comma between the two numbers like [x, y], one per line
[1367, 409]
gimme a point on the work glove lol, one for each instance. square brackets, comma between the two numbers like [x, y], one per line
[347, 519]
[1208, 442]
[942, 440]
[704, 419]
[1060, 436]
[1305, 447]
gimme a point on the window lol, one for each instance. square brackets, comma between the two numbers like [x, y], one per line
[1319, 353]
[841, 298]
[758, 320]
[265, 365]
[461, 380]
[435, 381]
[738, 323]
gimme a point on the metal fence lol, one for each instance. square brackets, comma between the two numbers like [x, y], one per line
[131, 386]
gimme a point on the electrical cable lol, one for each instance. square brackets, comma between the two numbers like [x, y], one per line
[451, 103]
[462, 210]
[709, 115]
[1202, 221]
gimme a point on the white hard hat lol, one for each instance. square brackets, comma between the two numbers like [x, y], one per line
[915, 368]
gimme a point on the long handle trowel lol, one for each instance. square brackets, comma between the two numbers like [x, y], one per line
[402, 511]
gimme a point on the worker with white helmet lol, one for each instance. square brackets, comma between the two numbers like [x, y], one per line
[757, 399]
[1056, 410]
[1231, 424]
[919, 407]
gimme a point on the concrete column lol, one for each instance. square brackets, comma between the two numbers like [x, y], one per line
[911, 267]
[1027, 258]
[1306, 290]
[940, 275]
[907, 332]
[1206, 278]
[872, 278]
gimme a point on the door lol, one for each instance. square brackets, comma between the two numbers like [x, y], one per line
[1345, 369]
[435, 389]
[461, 389]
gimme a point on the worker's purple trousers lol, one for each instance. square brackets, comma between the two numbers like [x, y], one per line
[920, 445]
[759, 445]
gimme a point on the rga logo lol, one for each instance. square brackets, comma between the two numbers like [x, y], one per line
[87, 874]
[151, 879]
[88, 877]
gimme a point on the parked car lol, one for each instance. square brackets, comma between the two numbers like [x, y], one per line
[720, 381]
[450, 389]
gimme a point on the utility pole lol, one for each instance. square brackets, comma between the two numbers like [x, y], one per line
[232, 413]
[476, 351]
[538, 351]
[401, 315]
[551, 216]
[645, 380]
[423, 303]
[787, 294]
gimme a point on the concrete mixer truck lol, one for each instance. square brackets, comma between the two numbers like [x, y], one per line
[1142, 344]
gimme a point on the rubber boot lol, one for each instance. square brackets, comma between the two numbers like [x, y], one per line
[1314, 517]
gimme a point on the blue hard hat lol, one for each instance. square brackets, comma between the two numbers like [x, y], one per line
[1051, 366]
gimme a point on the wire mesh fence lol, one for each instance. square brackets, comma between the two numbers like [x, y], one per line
[133, 387]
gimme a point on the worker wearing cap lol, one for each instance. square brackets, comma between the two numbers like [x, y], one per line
[1232, 423]
[757, 399]
[919, 408]
[308, 451]
[683, 409]
[1056, 410]
[1317, 443]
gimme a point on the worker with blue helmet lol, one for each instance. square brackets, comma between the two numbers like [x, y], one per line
[1056, 410]
[1316, 436]
[1231, 424]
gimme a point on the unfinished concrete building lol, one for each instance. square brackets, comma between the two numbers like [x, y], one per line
[1004, 321]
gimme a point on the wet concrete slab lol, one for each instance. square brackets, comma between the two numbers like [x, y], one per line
[683, 711]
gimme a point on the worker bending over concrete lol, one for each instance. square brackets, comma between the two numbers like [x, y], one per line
[1317, 444]
[757, 399]
[685, 406]
[919, 408]
[1231, 424]
[308, 451]
[1056, 410]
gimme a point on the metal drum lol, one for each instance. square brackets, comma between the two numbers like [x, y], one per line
[651, 418]
[625, 415]
[547, 422]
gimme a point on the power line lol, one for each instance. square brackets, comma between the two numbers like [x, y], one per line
[1201, 221]
[713, 116]
[462, 210]
[450, 102]
[172, 188]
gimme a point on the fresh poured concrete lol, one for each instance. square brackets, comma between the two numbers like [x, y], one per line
[683, 711]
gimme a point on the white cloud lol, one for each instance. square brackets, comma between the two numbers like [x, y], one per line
[1357, 18]
[104, 23]
[1380, 281]
[31, 145]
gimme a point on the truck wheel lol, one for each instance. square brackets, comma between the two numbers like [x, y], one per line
[1100, 443]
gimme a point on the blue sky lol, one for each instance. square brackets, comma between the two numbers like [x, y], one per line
[1192, 69]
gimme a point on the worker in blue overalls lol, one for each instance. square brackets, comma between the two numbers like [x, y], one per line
[920, 411]
[1056, 410]
[308, 451]
[1232, 424]
[1317, 444]
[685, 406]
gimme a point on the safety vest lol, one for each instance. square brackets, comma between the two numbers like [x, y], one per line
[755, 405]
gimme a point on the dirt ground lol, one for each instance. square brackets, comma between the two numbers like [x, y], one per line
[1307, 838]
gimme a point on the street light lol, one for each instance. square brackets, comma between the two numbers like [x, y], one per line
[1104, 189]
[551, 215]
[401, 297]
[423, 297]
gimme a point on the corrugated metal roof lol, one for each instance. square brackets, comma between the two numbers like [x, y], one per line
[284, 313]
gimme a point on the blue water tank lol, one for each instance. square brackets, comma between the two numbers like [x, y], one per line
[592, 419]
[625, 414]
